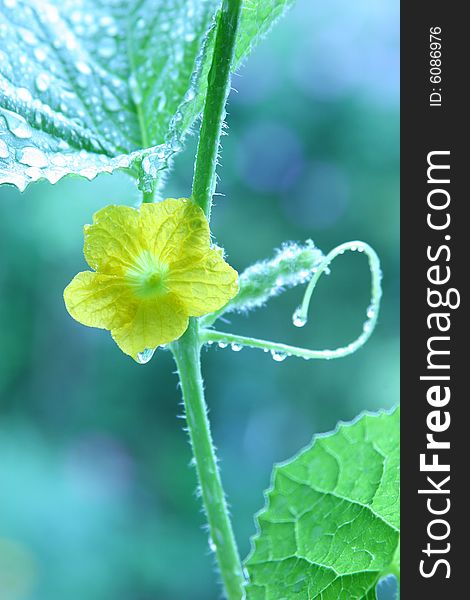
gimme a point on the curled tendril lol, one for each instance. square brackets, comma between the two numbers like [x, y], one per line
[279, 350]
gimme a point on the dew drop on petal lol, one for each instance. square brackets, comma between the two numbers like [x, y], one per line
[146, 355]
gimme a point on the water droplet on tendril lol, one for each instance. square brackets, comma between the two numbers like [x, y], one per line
[222, 344]
[212, 545]
[146, 355]
[298, 319]
[236, 347]
[278, 356]
[371, 312]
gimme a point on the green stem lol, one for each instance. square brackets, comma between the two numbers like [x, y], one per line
[149, 196]
[204, 181]
[187, 356]
[187, 349]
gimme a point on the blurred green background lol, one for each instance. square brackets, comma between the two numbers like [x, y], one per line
[97, 500]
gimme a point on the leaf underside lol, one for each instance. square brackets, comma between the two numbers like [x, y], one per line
[88, 86]
[330, 528]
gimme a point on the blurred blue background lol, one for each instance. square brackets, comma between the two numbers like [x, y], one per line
[97, 500]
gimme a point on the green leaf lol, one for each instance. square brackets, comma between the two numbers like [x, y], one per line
[87, 87]
[330, 529]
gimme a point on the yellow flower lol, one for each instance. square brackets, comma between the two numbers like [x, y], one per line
[153, 269]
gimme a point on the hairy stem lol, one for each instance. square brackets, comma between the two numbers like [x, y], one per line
[187, 349]
[187, 355]
[149, 196]
[204, 181]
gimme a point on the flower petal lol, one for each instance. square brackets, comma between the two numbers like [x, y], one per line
[174, 227]
[204, 284]
[113, 240]
[98, 300]
[154, 323]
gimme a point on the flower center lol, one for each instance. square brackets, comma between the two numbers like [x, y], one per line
[147, 277]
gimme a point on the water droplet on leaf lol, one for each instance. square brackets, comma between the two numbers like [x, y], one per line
[83, 67]
[3, 150]
[42, 82]
[40, 54]
[24, 94]
[107, 47]
[135, 90]
[33, 157]
[110, 100]
[28, 37]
